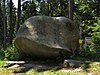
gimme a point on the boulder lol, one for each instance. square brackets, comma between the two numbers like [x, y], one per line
[44, 36]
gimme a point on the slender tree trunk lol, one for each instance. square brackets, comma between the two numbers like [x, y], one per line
[11, 26]
[4, 42]
[71, 2]
[48, 7]
[98, 6]
[0, 26]
[51, 8]
[18, 15]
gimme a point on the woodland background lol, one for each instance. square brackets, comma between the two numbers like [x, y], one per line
[86, 13]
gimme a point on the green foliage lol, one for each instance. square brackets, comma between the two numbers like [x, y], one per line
[2, 54]
[43, 8]
[96, 39]
[28, 10]
[2, 63]
[86, 52]
[96, 26]
[11, 53]
[90, 23]
[92, 51]
[89, 15]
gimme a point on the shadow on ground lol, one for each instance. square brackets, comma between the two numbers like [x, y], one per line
[40, 66]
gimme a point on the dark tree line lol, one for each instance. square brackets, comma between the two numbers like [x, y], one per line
[11, 17]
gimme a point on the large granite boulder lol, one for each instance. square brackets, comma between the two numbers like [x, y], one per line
[44, 36]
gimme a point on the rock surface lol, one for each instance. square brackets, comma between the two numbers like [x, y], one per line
[45, 36]
[72, 63]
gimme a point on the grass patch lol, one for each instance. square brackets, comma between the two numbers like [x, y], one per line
[50, 72]
[94, 68]
[2, 63]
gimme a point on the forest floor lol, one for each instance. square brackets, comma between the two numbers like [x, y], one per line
[48, 68]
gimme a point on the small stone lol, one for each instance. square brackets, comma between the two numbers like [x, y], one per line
[73, 63]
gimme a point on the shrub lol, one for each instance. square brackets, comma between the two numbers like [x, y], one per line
[96, 40]
[11, 53]
[93, 51]
[2, 54]
[96, 44]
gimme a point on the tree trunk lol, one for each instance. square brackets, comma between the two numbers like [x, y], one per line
[11, 27]
[71, 9]
[0, 26]
[48, 6]
[18, 15]
[4, 25]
